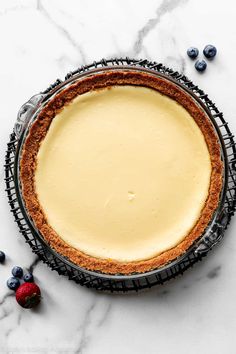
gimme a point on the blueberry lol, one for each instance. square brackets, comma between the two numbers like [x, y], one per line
[2, 256]
[28, 278]
[17, 272]
[200, 65]
[210, 51]
[13, 283]
[192, 52]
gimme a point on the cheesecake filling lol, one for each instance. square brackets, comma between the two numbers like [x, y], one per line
[123, 173]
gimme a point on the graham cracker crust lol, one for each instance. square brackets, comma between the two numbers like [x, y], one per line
[39, 130]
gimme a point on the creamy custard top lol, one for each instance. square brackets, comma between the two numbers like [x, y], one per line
[123, 173]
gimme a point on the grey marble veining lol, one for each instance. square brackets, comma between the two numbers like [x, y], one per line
[166, 6]
[42, 9]
[43, 40]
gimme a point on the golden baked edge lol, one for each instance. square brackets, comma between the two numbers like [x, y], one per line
[39, 130]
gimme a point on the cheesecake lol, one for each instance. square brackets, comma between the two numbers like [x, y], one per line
[121, 172]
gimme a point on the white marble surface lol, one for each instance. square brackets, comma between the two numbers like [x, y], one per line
[43, 40]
